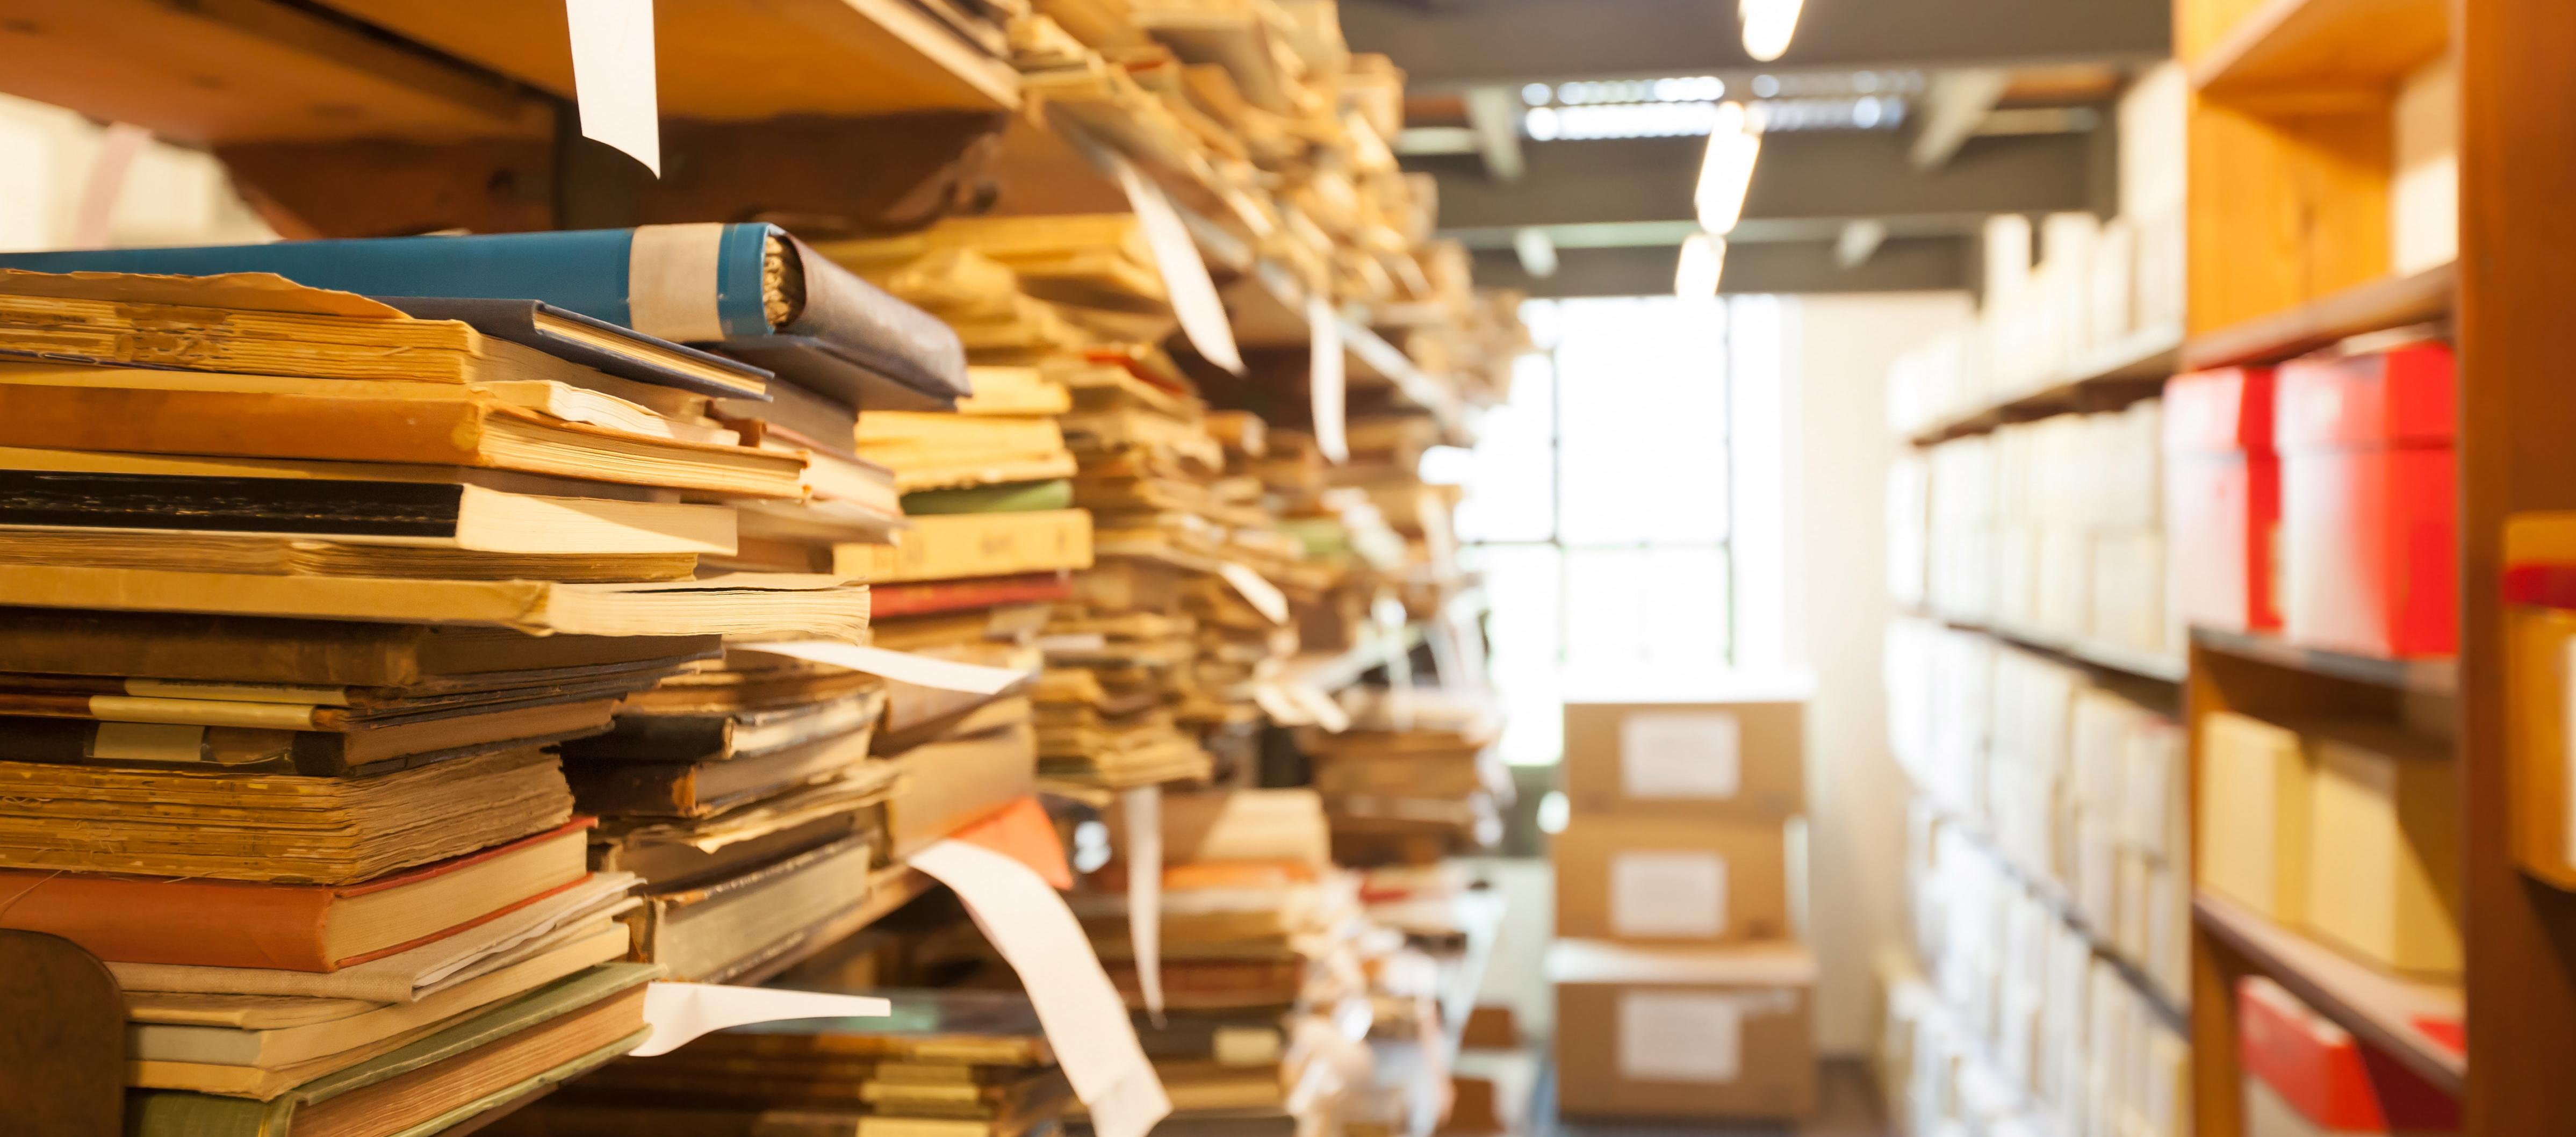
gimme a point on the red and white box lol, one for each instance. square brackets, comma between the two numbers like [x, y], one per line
[2307, 1077]
[2222, 499]
[2369, 502]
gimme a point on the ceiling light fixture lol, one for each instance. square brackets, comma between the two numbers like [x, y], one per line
[1726, 171]
[1703, 264]
[1768, 26]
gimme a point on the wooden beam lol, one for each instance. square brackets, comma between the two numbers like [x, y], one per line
[1921, 264]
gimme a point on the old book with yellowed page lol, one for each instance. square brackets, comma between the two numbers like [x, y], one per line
[521, 428]
[742, 604]
[272, 827]
[264, 324]
[1025, 391]
[964, 545]
[938, 451]
[271, 556]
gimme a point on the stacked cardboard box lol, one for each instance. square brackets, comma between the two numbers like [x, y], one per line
[1681, 989]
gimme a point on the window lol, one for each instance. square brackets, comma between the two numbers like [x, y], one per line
[1599, 508]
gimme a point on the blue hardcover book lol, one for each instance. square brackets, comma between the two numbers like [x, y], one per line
[750, 291]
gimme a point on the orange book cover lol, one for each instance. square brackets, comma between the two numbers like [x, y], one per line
[221, 923]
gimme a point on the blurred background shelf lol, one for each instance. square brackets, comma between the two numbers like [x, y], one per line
[2387, 1010]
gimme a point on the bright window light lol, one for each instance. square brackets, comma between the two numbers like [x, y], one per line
[1726, 172]
[1703, 264]
[1768, 25]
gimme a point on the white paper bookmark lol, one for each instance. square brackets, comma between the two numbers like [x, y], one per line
[612, 76]
[1330, 381]
[1144, 806]
[1185, 273]
[900, 666]
[1256, 590]
[1085, 1020]
[681, 1012]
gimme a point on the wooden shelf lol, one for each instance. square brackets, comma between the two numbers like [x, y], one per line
[2111, 376]
[730, 62]
[245, 71]
[2382, 1008]
[2423, 676]
[2062, 904]
[2315, 46]
[2125, 661]
[2393, 302]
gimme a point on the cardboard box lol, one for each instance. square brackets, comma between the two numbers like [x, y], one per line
[2384, 848]
[1653, 1033]
[1670, 880]
[2369, 548]
[1725, 759]
[2254, 815]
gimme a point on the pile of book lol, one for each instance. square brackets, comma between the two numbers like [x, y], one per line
[1255, 114]
[308, 590]
[1259, 975]
[1414, 779]
[950, 1063]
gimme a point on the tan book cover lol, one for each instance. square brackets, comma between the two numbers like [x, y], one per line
[967, 545]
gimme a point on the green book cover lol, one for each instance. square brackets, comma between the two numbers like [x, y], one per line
[173, 1113]
[1017, 497]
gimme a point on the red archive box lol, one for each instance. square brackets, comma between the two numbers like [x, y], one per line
[2223, 499]
[2306, 1077]
[2370, 549]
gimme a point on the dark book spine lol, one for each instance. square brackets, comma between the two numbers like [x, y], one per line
[244, 505]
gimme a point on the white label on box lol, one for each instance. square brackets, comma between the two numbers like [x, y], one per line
[1680, 1037]
[1667, 894]
[1669, 754]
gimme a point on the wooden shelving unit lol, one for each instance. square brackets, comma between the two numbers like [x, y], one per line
[2107, 379]
[2304, 47]
[2422, 676]
[2389, 302]
[2390, 1011]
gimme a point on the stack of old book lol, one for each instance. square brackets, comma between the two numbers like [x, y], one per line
[1257, 937]
[950, 1063]
[307, 589]
[1414, 779]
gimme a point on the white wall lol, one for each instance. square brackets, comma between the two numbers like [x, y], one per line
[1834, 413]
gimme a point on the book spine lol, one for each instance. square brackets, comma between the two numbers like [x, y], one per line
[242, 424]
[176, 922]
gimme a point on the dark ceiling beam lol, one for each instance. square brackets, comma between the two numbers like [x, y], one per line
[1519, 41]
[1906, 264]
[1805, 182]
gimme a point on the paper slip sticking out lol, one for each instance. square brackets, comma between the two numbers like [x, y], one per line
[902, 667]
[1084, 1017]
[1257, 590]
[680, 1012]
[612, 76]
[1185, 273]
[1329, 380]
[1144, 806]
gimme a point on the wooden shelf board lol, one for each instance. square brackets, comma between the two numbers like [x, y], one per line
[731, 62]
[2424, 676]
[2393, 302]
[2132, 367]
[241, 71]
[2126, 661]
[2373, 1005]
[2325, 45]
[2053, 895]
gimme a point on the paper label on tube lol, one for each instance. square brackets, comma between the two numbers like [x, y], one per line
[1674, 1036]
[1185, 273]
[900, 666]
[1687, 755]
[1144, 806]
[1664, 895]
[681, 1012]
[1329, 380]
[1085, 1019]
[1256, 590]
[612, 76]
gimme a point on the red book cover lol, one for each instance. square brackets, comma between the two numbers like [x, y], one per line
[923, 598]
